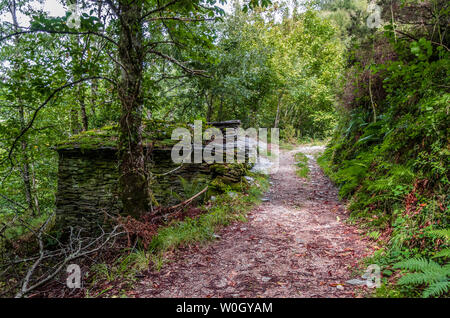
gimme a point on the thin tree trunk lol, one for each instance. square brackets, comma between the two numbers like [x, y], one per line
[26, 175]
[277, 118]
[75, 126]
[220, 113]
[94, 89]
[393, 22]
[25, 169]
[94, 83]
[134, 183]
[37, 208]
[372, 103]
[210, 107]
[84, 118]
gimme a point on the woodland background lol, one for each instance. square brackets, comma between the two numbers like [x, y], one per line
[378, 96]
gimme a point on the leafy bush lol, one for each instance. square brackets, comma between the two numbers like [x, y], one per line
[390, 158]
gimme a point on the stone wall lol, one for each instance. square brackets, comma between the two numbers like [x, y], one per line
[88, 182]
[87, 187]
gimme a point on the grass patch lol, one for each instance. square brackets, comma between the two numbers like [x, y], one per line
[225, 209]
[301, 161]
[284, 145]
[313, 142]
[122, 271]
[115, 279]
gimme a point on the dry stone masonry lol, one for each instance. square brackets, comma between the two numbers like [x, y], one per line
[88, 175]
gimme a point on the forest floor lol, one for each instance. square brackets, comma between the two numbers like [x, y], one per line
[295, 244]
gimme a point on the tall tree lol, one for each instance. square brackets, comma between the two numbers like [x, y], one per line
[141, 32]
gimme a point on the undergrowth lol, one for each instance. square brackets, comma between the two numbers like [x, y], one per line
[301, 161]
[226, 208]
[394, 169]
[219, 211]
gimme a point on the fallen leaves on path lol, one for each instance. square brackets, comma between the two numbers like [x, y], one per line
[294, 245]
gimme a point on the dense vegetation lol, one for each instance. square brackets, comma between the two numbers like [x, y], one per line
[390, 151]
[314, 69]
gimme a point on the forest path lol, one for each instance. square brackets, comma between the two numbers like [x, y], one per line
[293, 245]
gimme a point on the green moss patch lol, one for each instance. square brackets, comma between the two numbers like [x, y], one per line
[156, 132]
[301, 161]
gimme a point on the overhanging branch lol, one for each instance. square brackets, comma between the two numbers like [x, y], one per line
[178, 63]
[59, 32]
[56, 91]
[159, 9]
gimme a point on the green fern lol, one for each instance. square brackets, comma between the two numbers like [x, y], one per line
[442, 233]
[445, 235]
[190, 188]
[445, 253]
[426, 272]
[437, 289]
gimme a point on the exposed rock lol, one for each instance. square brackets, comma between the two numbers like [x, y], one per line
[232, 194]
[249, 179]
[356, 282]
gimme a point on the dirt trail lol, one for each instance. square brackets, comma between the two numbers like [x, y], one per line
[294, 245]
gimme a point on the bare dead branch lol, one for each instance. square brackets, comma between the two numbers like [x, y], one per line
[176, 62]
[416, 39]
[181, 19]
[77, 247]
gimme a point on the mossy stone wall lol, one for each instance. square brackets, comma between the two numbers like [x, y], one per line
[88, 182]
[87, 187]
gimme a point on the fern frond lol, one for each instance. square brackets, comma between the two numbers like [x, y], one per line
[437, 289]
[420, 278]
[416, 264]
[446, 268]
[444, 253]
[442, 233]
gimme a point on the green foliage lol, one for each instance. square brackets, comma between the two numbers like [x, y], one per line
[224, 210]
[288, 134]
[443, 234]
[426, 272]
[389, 152]
[301, 161]
[123, 270]
[262, 68]
[190, 188]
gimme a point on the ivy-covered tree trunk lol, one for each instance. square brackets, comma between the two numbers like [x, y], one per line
[134, 186]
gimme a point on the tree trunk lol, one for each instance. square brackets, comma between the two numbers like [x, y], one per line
[84, 118]
[220, 113]
[133, 181]
[75, 126]
[25, 169]
[26, 174]
[277, 118]
[210, 106]
[37, 208]
[94, 89]
[94, 83]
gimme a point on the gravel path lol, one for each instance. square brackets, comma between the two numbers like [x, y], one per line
[294, 245]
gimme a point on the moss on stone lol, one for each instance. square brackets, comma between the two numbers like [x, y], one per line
[228, 177]
[156, 132]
